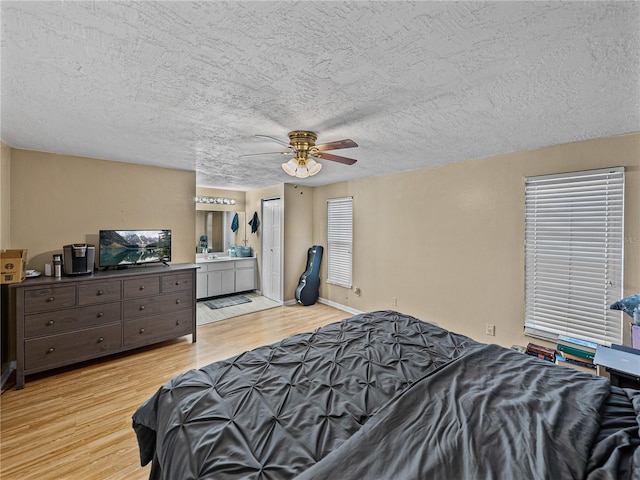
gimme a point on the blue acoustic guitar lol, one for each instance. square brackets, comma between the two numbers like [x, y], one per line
[307, 291]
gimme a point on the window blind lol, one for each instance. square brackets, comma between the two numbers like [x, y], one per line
[339, 241]
[573, 254]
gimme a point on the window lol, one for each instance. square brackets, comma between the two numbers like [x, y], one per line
[573, 255]
[339, 241]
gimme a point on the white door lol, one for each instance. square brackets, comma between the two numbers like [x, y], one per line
[271, 257]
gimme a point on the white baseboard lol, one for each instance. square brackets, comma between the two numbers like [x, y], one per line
[339, 306]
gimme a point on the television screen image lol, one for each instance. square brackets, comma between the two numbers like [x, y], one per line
[118, 248]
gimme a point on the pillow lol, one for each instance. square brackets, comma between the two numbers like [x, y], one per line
[629, 305]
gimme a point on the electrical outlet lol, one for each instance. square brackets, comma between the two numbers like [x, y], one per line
[394, 301]
[490, 329]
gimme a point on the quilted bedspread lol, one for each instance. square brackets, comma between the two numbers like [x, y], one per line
[379, 395]
[274, 411]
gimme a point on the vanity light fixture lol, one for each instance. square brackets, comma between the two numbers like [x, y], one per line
[216, 200]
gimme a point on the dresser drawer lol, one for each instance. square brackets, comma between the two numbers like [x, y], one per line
[141, 287]
[143, 307]
[149, 329]
[98, 292]
[50, 323]
[47, 299]
[175, 283]
[65, 348]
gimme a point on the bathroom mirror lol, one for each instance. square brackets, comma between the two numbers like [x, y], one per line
[216, 225]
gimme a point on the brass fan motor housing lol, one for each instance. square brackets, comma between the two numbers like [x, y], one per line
[303, 137]
[303, 143]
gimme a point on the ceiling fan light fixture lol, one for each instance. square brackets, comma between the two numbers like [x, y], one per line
[313, 167]
[300, 168]
[302, 143]
[290, 167]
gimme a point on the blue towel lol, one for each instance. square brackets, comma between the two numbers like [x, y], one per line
[234, 223]
[255, 223]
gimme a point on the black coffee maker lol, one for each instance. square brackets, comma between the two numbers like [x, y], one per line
[79, 259]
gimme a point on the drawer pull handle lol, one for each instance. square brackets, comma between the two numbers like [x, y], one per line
[141, 287]
[99, 292]
[100, 339]
[51, 350]
[50, 323]
[177, 322]
[177, 283]
[177, 301]
[141, 307]
[142, 330]
[100, 314]
[50, 299]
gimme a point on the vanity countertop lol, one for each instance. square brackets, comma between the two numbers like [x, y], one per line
[208, 258]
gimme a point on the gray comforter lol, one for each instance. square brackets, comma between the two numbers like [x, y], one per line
[384, 396]
[490, 414]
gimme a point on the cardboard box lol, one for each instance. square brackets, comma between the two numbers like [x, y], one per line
[635, 336]
[13, 266]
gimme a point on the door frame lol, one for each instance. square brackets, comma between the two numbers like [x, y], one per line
[265, 227]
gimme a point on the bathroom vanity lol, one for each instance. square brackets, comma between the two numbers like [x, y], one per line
[222, 275]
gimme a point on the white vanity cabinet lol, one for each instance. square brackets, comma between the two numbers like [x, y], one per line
[245, 275]
[224, 276]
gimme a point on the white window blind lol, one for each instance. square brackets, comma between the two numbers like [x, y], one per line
[339, 241]
[573, 254]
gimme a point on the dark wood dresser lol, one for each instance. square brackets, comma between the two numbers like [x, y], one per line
[61, 321]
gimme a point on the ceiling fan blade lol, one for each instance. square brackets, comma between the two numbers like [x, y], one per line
[281, 142]
[335, 158]
[267, 153]
[337, 145]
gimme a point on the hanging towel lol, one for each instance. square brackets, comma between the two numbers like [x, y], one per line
[255, 223]
[234, 223]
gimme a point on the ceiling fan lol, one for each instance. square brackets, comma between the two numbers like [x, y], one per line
[302, 144]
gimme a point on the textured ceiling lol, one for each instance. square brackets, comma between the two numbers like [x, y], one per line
[188, 84]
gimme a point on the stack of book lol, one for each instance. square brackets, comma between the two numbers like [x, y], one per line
[576, 353]
[539, 351]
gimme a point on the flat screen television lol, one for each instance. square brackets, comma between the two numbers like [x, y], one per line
[121, 248]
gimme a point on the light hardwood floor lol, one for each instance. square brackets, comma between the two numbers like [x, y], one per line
[76, 423]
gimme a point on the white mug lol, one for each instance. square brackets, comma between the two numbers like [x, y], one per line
[47, 269]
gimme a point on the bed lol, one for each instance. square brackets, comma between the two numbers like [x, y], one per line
[383, 395]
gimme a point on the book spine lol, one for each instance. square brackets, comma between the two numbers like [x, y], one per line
[568, 356]
[577, 343]
[540, 356]
[576, 362]
[532, 347]
[576, 351]
[580, 368]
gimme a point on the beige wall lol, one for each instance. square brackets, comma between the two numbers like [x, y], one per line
[5, 199]
[57, 200]
[448, 241]
[298, 235]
